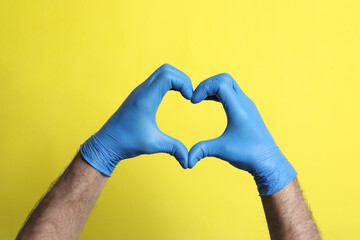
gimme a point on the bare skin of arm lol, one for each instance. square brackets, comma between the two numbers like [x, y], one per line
[288, 216]
[62, 213]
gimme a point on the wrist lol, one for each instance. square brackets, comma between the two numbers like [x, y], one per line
[274, 174]
[97, 155]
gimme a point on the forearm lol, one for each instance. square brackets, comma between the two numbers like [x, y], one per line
[62, 213]
[287, 214]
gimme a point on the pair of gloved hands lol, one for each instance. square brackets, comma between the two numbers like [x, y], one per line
[246, 143]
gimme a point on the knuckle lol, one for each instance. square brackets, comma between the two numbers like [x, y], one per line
[223, 85]
[165, 66]
[226, 76]
[166, 73]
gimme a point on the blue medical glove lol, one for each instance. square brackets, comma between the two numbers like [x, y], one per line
[132, 129]
[246, 142]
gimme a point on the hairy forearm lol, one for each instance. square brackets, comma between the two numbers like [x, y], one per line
[287, 214]
[62, 213]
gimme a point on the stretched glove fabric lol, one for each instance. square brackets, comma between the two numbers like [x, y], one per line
[132, 129]
[246, 143]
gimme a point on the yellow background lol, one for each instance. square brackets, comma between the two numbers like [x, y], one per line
[66, 66]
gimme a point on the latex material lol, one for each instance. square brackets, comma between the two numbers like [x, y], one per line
[132, 129]
[246, 142]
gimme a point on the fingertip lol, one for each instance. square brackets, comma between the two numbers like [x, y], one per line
[187, 93]
[195, 98]
[183, 162]
[183, 165]
[191, 165]
[199, 94]
[194, 157]
[175, 148]
[181, 154]
[193, 162]
[188, 88]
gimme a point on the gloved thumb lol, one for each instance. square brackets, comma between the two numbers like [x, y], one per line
[201, 150]
[175, 148]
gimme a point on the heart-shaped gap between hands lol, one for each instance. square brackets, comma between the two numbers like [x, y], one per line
[190, 123]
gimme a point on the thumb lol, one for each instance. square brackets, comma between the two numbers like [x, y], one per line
[175, 148]
[201, 150]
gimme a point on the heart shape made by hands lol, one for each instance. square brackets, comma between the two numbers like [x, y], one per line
[188, 122]
[246, 143]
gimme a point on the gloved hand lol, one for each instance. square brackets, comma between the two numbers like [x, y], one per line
[246, 143]
[132, 129]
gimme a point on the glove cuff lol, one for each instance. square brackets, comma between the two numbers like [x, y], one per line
[95, 153]
[275, 177]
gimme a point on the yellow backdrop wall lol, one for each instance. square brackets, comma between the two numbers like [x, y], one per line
[66, 66]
